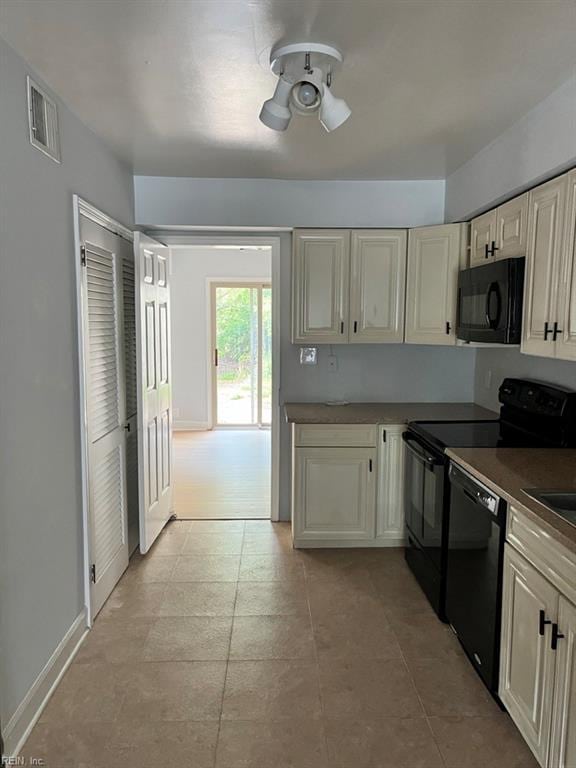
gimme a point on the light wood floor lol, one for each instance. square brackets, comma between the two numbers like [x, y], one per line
[222, 474]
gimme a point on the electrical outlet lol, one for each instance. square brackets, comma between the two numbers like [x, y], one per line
[332, 363]
[176, 412]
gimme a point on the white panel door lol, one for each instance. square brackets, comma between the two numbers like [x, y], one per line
[377, 286]
[527, 661]
[543, 266]
[566, 344]
[334, 493]
[102, 300]
[390, 498]
[482, 238]
[512, 228]
[320, 278]
[154, 387]
[563, 748]
[434, 255]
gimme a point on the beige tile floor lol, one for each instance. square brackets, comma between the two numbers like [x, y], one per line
[225, 648]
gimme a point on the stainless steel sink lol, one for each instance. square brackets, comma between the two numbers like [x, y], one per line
[561, 502]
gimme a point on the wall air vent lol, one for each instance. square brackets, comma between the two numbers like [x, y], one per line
[43, 121]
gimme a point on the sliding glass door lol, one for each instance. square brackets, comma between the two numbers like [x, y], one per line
[242, 354]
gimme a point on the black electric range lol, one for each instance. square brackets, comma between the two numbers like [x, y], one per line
[532, 414]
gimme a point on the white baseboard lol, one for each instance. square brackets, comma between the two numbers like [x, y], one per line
[184, 426]
[26, 716]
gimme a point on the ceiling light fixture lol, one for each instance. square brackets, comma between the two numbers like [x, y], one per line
[305, 72]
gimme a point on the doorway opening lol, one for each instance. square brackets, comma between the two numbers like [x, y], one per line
[225, 351]
[241, 326]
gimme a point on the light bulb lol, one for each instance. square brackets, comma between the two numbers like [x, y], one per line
[307, 94]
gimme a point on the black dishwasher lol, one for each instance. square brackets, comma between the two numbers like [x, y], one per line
[476, 534]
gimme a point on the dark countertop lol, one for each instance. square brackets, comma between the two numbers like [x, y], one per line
[509, 470]
[384, 413]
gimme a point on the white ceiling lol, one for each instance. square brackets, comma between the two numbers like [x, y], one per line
[175, 86]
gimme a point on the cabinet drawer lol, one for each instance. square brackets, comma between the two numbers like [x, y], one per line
[335, 435]
[552, 559]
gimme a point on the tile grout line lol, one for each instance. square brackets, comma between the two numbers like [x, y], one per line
[218, 732]
[412, 680]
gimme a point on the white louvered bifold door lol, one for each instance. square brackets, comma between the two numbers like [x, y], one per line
[103, 254]
[154, 386]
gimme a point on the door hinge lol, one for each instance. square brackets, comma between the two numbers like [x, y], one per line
[448, 328]
[370, 465]
[93, 573]
[216, 357]
[83, 255]
[383, 435]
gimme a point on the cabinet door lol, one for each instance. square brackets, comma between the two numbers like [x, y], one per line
[563, 747]
[527, 661]
[434, 255]
[377, 285]
[546, 210]
[512, 228]
[482, 235]
[334, 493]
[320, 269]
[566, 345]
[390, 497]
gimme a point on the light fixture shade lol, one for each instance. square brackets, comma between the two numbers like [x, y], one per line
[333, 111]
[275, 112]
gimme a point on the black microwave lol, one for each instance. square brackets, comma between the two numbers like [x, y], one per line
[490, 302]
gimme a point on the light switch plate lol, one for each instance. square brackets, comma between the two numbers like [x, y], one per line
[308, 355]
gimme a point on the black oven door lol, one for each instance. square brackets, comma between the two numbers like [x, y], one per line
[424, 497]
[490, 302]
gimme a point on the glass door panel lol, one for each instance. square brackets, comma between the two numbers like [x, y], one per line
[242, 358]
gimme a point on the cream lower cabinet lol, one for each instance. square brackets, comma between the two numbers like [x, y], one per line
[435, 257]
[563, 745]
[346, 487]
[390, 497]
[527, 669]
[538, 645]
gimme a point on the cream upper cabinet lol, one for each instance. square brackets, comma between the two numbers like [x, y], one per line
[527, 660]
[320, 287]
[566, 343]
[482, 238]
[377, 285]
[500, 233]
[563, 746]
[512, 228]
[544, 261]
[435, 256]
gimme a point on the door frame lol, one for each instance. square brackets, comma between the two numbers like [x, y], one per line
[84, 208]
[211, 284]
[227, 237]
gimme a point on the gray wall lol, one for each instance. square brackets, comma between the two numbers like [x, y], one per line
[493, 365]
[539, 145]
[245, 203]
[41, 571]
